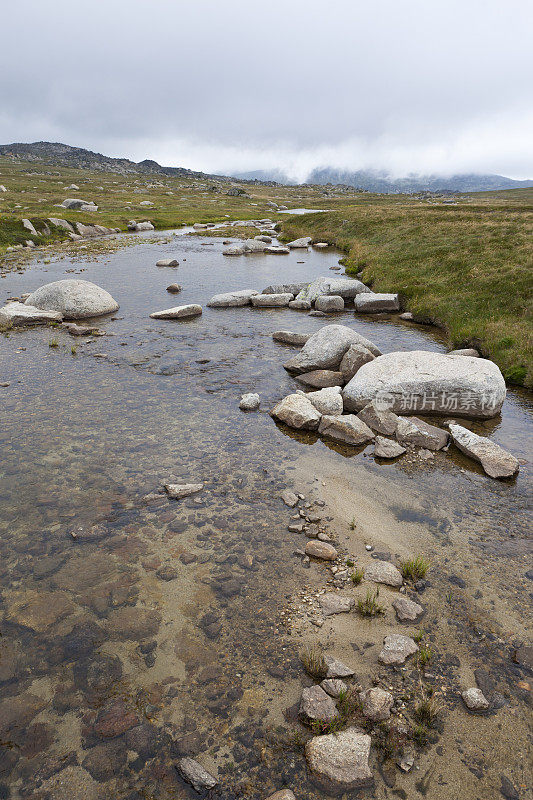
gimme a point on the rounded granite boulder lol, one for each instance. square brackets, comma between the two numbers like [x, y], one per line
[75, 299]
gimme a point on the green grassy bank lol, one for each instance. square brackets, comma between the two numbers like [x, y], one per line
[467, 267]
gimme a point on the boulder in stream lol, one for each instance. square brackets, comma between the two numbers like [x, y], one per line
[74, 299]
[325, 349]
[496, 461]
[240, 297]
[178, 312]
[20, 315]
[297, 411]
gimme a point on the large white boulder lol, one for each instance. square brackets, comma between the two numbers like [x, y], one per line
[347, 288]
[242, 297]
[178, 312]
[325, 349]
[305, 241]
[368, 303]
[74, 299]
[428, 383]
[496, 461]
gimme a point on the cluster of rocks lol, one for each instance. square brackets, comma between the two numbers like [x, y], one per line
[360, 392]
[75, 204]
[136, 227]
[76, 230]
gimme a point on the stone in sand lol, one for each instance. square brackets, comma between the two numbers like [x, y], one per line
[178, 312]
[474, 699]
[334, 686]
[316, 706]
[289, 498]
[321, 550]
[297, 411]
[339, 761]
[72, 783]
[496, 461]
[336, 669]
[376, 704]
[346, 428]
[383, 572]
[407, 610]
[74, 299]
[332, 603]
[397, 648]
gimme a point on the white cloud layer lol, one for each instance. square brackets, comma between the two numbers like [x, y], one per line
[402, 86]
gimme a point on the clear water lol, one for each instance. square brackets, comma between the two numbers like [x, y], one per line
[90, 632]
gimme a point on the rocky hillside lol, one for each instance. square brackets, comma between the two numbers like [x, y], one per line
[63, 155]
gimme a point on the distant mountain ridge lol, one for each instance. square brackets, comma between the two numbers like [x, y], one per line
[64, 155]
[379, 181]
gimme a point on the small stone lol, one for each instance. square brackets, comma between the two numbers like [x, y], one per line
[334, 686]
[167, 262]
[407, 610]
[249, 402]
[376, 704]
[176, 491]
[174, 288]
[316, 706]
[178, 312]
[474, 699]
[336, 669]
[508, 790]
[283, 794]
[322, 550]
[383, 572]
[166, 573]
[406, 762]
[332, 603]
[387, 448]
[193, 772]
[397, 648]
[289, 498]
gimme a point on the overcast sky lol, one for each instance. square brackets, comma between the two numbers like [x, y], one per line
[438, 86]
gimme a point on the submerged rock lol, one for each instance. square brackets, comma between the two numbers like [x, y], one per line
[178, 312]
[74, 299]
[193, 772]
[242, 297]
[428, 383]
[496, 461]
[323, 550]
[339, 761]
[346, 428]
[176, 491]
[19, 315]
[297, 411]
[325, 349]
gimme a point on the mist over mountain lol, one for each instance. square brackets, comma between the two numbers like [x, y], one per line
[380, 181]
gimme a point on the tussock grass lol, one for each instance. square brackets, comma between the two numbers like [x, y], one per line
[414, 568]
[313, 661]
[466, 267]
[369, 607]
